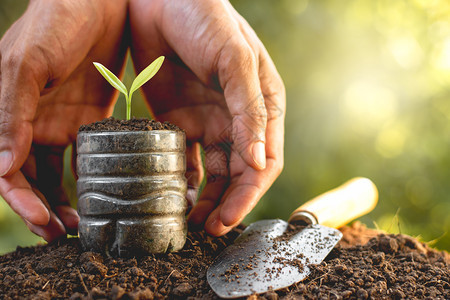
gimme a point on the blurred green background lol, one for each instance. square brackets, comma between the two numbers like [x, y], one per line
[368, 94]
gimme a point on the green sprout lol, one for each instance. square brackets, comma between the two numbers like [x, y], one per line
[139, 81]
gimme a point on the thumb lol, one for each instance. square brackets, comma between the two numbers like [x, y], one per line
[238, 73]
[19, 94]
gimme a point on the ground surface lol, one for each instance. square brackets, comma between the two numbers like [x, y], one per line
[366, 264]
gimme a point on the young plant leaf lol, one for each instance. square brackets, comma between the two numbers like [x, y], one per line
[146, 74]
[111, 78]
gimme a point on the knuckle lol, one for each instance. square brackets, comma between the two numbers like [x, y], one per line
[245, 58]
[257, 111]
[13, 60]
[9, 124]
[275, 101]
[238, 55]
[26, 62]
[276, 87]
[6, 117]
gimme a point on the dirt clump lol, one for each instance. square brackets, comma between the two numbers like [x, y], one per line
[373, 266]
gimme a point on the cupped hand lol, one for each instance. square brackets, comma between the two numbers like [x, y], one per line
[219, 84]
[48, 87]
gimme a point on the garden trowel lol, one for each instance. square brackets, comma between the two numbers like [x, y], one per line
[273, 254]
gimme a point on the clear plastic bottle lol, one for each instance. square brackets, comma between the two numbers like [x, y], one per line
[131, 191]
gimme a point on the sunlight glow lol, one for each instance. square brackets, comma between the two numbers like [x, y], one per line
[406, 51]
[368, 102]
[442, 57]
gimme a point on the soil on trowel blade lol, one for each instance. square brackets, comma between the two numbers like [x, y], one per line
[366, 264]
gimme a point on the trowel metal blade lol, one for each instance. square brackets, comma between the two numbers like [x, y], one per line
[265, 258]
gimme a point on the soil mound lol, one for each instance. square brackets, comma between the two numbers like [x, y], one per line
[113, 124]
[366, 264]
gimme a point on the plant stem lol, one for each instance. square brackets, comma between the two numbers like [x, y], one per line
[128, 100]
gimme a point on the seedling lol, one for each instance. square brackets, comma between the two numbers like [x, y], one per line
[139, 81]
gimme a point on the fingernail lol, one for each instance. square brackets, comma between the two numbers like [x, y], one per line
[259, 154]
[211, 224]
[214, 225]
[6, 161]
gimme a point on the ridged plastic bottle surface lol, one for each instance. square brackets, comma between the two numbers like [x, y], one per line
[131, 191]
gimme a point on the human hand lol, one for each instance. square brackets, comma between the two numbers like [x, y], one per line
[219, 84]
[48, 88]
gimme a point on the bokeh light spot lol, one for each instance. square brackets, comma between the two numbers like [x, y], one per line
[406, 51]
[442, 55]
[391, 140]
[367, 102]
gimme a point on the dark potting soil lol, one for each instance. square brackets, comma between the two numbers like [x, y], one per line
[366, 264]
[113, 124]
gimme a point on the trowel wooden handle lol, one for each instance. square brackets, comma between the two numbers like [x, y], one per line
[339, 206]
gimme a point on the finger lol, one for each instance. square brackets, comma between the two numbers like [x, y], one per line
[50, 232]
[54, 229]
[272, 86]
[19, 195]
[244, 194]
[69, 217]
[242, 197]
[274, 94]
[216, 162]
[49, 168]
[214, 224]
[238, 75]
[194, 172]
[239, 199]
[215, 50]
[31, 204]
[208, 201]
[19, 95]
[247, 184]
